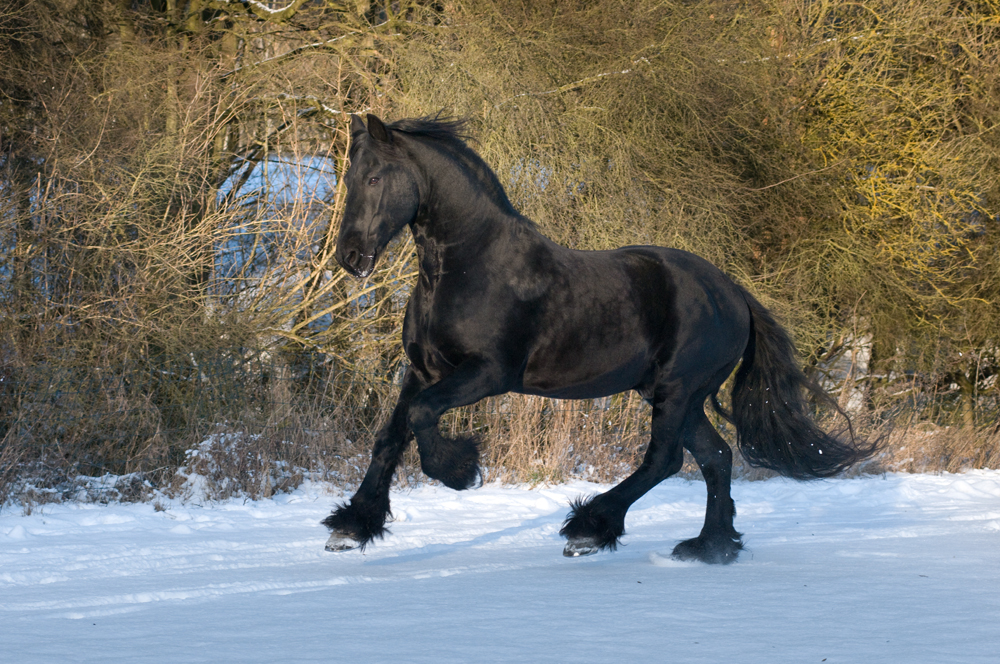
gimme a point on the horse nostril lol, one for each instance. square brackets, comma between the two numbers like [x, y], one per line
[356, 261]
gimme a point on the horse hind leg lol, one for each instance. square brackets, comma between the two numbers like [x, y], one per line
[718, 542]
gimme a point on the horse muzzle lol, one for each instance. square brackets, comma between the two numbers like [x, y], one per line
[357, 262]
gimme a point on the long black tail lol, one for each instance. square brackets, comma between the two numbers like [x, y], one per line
[773, 426]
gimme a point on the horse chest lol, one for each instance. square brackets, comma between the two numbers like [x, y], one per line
[432, 335]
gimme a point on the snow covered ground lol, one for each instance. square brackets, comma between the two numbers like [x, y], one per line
[898, 569]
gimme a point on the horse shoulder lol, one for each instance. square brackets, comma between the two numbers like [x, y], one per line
[527, 262]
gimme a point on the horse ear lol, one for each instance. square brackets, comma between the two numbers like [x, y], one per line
[357, 126]
[377, 129]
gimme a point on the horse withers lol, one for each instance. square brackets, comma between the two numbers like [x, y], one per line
[498, 307]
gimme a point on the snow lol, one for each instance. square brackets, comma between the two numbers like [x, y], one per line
[904, 568]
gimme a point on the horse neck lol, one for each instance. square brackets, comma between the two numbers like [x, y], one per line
[464, 209]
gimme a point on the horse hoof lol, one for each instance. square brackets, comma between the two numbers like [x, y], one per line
[721, 551]
[341, 542]
[580, 547]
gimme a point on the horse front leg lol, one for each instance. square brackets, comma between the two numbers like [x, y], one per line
[356, 523]
[453, 461]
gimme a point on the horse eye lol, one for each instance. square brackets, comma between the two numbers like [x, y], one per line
[374, 181]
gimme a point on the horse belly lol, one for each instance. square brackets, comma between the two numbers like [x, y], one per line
[585, 377]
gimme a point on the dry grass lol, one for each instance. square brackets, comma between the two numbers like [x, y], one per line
[278, 426]
[533, 440]
[927, 447]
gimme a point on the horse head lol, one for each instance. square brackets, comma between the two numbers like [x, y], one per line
[383, 195]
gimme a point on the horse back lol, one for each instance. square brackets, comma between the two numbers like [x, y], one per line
[614, 320]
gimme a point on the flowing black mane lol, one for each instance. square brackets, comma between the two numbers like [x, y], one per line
[435, 126]
[451, 134]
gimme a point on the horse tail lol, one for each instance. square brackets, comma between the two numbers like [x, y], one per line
[773, 426]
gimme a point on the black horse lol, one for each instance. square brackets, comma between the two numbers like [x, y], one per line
[498, 307]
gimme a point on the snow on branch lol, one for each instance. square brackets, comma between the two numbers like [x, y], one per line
[259, 9]
[315, 104]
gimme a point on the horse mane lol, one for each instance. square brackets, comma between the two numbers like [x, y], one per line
[451, 134]
[437, 127]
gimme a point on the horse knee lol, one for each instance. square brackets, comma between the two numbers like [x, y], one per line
[452, 461]
[420, 418]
